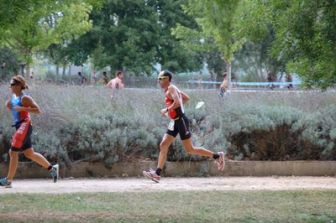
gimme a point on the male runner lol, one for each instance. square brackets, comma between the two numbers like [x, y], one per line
[21, 105]
[179, 124]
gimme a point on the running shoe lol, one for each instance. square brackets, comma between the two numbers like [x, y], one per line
[54, 172]
[151, 174]
[5, 183]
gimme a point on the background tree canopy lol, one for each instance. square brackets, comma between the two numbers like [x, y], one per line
[135, 35]
[252, 37]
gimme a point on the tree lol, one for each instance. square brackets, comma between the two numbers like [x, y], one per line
[216, 19]
[309, 43]
[305, 45]
[171, 53]
[8, 63]
[135, 35]
[46, 23]
[256, 60]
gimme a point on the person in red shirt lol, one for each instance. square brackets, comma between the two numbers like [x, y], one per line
[179, 124]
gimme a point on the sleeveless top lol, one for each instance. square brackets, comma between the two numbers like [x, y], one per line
[18, 117]
[174, 113]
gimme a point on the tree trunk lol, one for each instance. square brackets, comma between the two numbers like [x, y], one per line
[111, 70]
[28, 60]
[229, 73]
[213, 77]
[27, 74]
[57, 70]
[63, 71]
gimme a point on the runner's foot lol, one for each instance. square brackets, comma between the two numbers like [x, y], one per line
[54, 172]
[151, 174]
[5, 183]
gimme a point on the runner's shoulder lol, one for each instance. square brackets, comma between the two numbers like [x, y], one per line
[26, 99]
[173, 87]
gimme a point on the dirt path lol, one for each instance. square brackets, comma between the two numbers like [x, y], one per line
[171, 184]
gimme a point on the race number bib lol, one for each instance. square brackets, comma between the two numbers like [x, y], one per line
[171, 125]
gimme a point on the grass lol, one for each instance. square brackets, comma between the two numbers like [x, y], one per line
[229, 206]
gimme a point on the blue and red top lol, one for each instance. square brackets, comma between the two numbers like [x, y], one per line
[18, 117]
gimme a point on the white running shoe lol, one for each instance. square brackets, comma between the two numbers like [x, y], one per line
[151, 174]
[54, 172]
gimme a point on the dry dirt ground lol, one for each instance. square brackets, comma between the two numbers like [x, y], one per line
[170, 184]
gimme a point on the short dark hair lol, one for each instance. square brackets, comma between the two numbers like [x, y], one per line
[168, 74]
[119, 72]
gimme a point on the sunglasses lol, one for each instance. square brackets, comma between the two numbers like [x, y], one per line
[162, 78]
[12, 84]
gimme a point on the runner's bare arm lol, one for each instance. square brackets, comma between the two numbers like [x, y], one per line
[110, 84]
[29, 105]
[185, 97]
[121, 85]
[175, 95]
[8, 105]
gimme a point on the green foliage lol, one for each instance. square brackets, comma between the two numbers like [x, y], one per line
[305, 45]
[215, 34]
[135, 35]
[8, 63]
[308, 42]
[320, 128]
[44, 24]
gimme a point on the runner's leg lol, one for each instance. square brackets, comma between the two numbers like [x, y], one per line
[191, 149]
[37, 157]
[13, 163]
[164, 147]
[219, 157]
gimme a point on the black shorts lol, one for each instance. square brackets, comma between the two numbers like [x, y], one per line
[21, 140]
[181, 126]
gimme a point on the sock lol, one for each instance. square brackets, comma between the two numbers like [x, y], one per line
[215, 156]
[158, 171]
[49, 167]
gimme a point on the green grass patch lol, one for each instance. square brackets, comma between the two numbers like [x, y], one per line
[228, 206]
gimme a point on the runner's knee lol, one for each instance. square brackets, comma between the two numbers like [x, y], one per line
[29, 154]
[164, 146]
[189, 149]
[13, 155]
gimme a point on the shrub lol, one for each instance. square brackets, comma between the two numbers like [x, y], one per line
[83, 124]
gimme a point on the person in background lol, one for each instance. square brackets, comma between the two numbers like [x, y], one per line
[289, 79]
[105, 78]
[271, 77]
[116, 83]
[82, 77]
[94, 76]
[224, 85]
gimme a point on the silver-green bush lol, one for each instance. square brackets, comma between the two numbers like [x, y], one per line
[83, 123]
